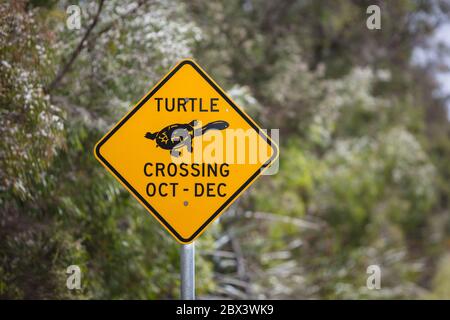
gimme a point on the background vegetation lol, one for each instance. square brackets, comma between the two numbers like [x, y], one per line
[365, 148]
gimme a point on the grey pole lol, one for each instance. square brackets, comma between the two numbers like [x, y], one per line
[187, 271]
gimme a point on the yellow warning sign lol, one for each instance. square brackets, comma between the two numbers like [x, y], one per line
[186, 151]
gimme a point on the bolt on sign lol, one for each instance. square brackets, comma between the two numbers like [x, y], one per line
[186, 151]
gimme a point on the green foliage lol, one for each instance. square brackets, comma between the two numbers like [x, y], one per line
[441, 280]
[31, 127]
[358, 184]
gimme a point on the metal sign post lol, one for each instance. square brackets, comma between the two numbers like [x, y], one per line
[187, 271]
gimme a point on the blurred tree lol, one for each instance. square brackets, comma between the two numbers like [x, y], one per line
[355, 152]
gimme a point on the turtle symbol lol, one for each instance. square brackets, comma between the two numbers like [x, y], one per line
[178, 135]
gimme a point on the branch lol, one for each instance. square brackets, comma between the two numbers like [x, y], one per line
[240, 262]
[107, 27]
[284, 219]
[62, 72]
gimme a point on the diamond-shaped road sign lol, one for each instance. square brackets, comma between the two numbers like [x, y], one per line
[186, 151]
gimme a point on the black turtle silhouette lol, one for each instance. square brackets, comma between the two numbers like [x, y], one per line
[178, 135]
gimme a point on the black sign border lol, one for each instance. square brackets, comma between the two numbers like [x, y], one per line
[231, 198]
